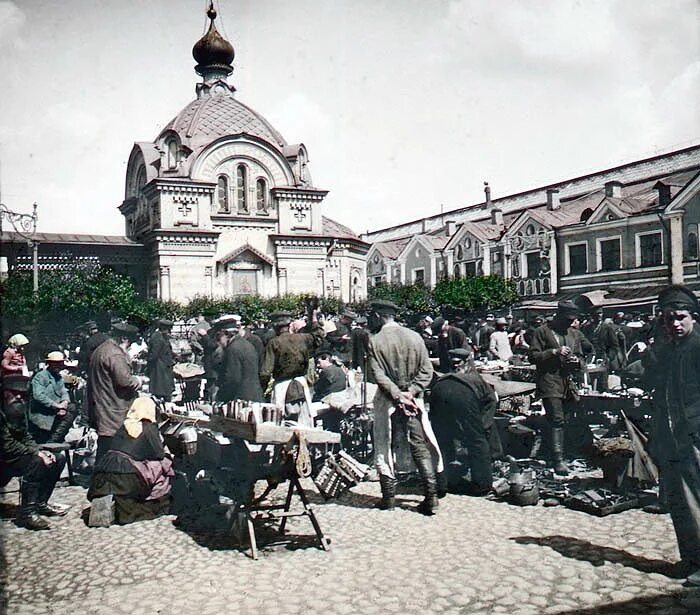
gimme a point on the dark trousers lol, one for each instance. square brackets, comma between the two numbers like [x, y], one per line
[680, 481]
[556, 410]
[475, 439]
[59, 429]
[39, 478]
[104, 443]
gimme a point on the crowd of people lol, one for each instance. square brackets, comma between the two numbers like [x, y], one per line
[294, 360]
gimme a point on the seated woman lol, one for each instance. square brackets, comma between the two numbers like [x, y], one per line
[135, 470]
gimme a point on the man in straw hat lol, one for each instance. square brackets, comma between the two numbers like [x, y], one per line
[111, 386]
[557, 352]
[672, 368]
[51, 413]
[398, 362]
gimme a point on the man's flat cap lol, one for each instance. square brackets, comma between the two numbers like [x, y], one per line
[568, 308]
[281, 318]
[349, 314]
[678, 297]
[382, 306]
[16, 382]
[164, 323]
[459, 354]
[124, 328]
[89, 325]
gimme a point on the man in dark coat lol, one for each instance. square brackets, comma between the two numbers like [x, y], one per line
[240, 373]
[161, 361]
[672, 369]
[449, 338]
[606, 343]
[286, 360]
[331, 377]
[93, 339]
[111, 387]
[359, 344]
[462, 409]
[21, 456]
[557, 353]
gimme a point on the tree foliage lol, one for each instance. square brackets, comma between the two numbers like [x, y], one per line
[476, 293]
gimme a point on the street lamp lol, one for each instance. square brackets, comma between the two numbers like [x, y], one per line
[25, 226]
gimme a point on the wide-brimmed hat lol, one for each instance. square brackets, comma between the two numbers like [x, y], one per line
[56, 356]
[501, 321]
[384, 307]
[568, 309]
[349, 314]
[89, 325]
[18, 339]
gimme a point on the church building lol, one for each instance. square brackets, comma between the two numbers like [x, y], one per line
[224, 205]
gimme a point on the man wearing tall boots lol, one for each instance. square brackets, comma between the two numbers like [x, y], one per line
[462, 409]
[21, 456]
[398, 363]
[557, 353]
[672, 369]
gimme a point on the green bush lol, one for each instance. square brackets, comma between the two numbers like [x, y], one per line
[475, 293]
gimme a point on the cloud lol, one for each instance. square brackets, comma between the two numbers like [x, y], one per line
[12, 19]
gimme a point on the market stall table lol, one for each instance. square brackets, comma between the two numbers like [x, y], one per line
[238, 454]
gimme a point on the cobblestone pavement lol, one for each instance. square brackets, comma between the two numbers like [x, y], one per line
[475, 556]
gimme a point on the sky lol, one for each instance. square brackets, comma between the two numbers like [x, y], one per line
[405, 106]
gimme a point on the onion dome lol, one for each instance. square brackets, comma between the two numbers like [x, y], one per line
[213, 53]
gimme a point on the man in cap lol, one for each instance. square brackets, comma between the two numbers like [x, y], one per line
[482, 337]
[339, 339]
[462, 409]
[52, 413]
[93, 338]
[605, 341]
[160, 361]
[239, 376]
[111, 386]
[449, 338]
[499, 343]
[21, 456]
[398, 362]
[197, 333]
[557, 353]
[286, 360]
[672, 369]
[359, 344]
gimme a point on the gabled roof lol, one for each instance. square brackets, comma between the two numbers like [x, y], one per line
[246, 248]
[690, 189]
[391, 249]
[482, 231]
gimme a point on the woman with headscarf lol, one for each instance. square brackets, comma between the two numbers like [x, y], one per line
[135, 470]
[13, 359]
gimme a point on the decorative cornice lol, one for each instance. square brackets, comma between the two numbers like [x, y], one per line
[299, 194]
[169, 186]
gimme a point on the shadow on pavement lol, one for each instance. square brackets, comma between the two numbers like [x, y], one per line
[597, 555]
[210, 528]
[649, 605]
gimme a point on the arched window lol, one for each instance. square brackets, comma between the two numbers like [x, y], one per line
[172, 154]
[241, 189]
[261, 195]
[222, 195]
[457, 272]
[586, 213]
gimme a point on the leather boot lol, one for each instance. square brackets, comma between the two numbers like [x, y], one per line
[560, 468]
[61, 429]
[388, 487]
[424, 462]
[441, 478]
[28, 515]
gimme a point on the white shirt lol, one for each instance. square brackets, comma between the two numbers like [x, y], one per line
[499, 345]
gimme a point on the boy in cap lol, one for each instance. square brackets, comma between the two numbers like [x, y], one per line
[556, 351]
[672, 369]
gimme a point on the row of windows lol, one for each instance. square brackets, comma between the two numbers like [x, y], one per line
[649, 250]
[241, 194]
